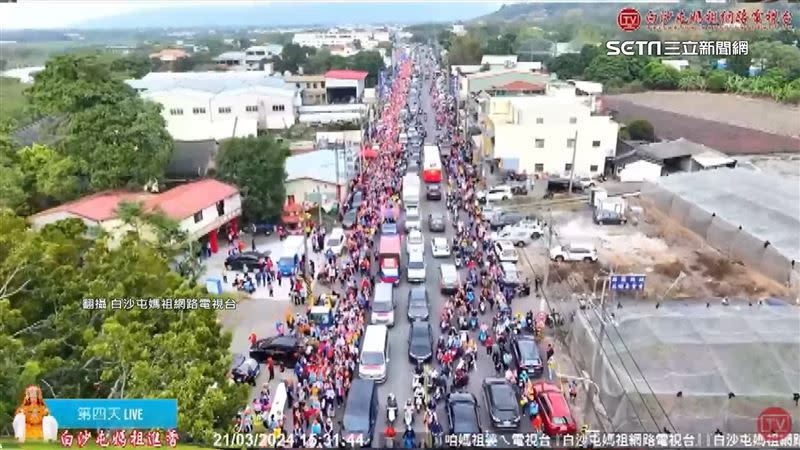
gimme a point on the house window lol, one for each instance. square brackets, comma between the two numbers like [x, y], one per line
[176, 112]
[198, 216]
[539, 143]
[221, 207]
[593, 168]
[570, 143]
[224, 110]
[277, 108]
[538, 168]
[251, 108]
[539, 120]
[198, 110]
[313, 85]
[573, 120]
[298, 85]
[567, 167]
[595, 144]
[322, 85]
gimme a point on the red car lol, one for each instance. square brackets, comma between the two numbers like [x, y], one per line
[554, 409]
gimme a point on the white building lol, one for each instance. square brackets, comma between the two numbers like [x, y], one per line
[537, 134]
[677, 64]
[342, 37]
[458, 29]
[196, 104]
[254, 58]
[499, 61]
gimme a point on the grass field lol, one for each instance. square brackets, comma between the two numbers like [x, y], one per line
[12, 102]
[8, 443]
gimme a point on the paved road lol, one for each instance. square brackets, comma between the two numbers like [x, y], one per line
[400, 368]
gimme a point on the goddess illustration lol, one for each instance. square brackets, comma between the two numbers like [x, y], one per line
[33, 420]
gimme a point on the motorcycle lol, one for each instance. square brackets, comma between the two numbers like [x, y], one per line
[473, 322]
[482, 305]
[391, 410]
[418, 403]
[458, 262]
[408, 416]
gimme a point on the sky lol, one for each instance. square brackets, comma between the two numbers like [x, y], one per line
[48, 14]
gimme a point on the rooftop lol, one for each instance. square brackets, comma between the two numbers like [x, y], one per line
[177, 203]
[317, 165]
[498, 59]
[518, 86]
[211, 81]
[230, 56]
[345, 74]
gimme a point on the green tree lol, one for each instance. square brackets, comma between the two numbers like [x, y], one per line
[739, 64]
[49, 177]
[184, 64]
[293, 56]
[504, 44]
[617, 69]
[465, 50]
[776, 55]
[72, 83]
[368, 61]
[660, 76]
[256, 166]
[641, 130]
[445, 38]
[132, 66]
[124, 144]
[567, 66]
[691, 80]
[717, 80]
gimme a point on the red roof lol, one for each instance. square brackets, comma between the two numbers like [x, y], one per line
[177, 203]
[346, 74]
[522, 86]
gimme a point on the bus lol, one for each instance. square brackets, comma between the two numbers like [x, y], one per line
[293, 250]
[389, 259]
[431, 164]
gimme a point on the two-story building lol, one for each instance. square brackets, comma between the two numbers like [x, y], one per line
[203, 100]
[544, 133]
[345, 86]
[202, 209]
[312, 87]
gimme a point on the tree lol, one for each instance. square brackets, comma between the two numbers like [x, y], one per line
[691, 80]
[504, 44]
[244, 43]
[605, 69]
[132, 66]
[184, 64]
[465, 50]
[368, 61]
[445, 38]
[119, 145]
[72, 83]
[776, 55]
[641, 130]
[293, 56]
[717, 80]
[739, 64]
[567, 66]
[256, 166]
[49, 177]
[47, 337]
[660, 76]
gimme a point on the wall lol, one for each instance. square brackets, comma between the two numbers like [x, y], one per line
[211, 218]
[304, 186]
[638, 171]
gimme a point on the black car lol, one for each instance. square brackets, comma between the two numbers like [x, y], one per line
[244, 369]
[609, 218]
[420, 342]
[261, 228]
[360, 414]
[349, 219]
[418, 306]
[433, 192]
[462, 412]
[505, 218]
[436, 222]
[238, 261]
[503, 402]
[282, 349]
[526, 354]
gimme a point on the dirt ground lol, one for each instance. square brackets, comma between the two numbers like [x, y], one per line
[654, 245]
[755, 113]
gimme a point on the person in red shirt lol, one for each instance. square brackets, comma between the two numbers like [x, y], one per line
[536, 423]
[252, 338]
[390, 434]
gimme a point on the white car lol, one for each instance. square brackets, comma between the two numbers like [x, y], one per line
[413, 221]
[519, 236]
[505, 251]
[335, 241]
[534, 227]
[415, 242]
[574, 252]
[440, 248]
[416, 267]
[495, 194]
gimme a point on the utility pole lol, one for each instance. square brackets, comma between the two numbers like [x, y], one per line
[319, 208]
[572, 166]
[338, 185]
[549, 246]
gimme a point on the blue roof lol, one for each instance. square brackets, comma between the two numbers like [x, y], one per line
[317, 165]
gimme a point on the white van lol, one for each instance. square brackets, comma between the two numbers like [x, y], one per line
[506, 252]
[403, 138]
[278, 402]
[383, 305]
[374, 357]
[335, 241]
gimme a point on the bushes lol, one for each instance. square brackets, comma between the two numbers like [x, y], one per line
[641, 130]
[717, 81]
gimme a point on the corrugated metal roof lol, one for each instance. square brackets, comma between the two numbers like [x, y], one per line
[214, 82]
[317, 165]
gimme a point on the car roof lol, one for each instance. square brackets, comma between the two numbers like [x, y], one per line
[439, 240]
[415, 232]
[416, 256]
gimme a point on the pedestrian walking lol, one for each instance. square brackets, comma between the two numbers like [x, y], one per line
[271, 368]
[225, 274]
[253, 244]
[573, 391]
[550, 351]
[278, 276]
[271, 291]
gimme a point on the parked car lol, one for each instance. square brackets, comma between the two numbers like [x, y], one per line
[505, 218]
[525, 350]
[519, 236]
[420, 342]
[462, 413]
[349, 219]
[519, 188]
[261, 228]
[436, 222]
[440, 248]
[556, 416]
[418, 305]
[244, 369]
[505, 251]
[433, 192]
[503, 402]
[609, 218]
[238, 261]
[510, 274]
[495, 194]
[282, 349]
[534, 226]
[415, 242]
[574, 252]
[562, 185]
